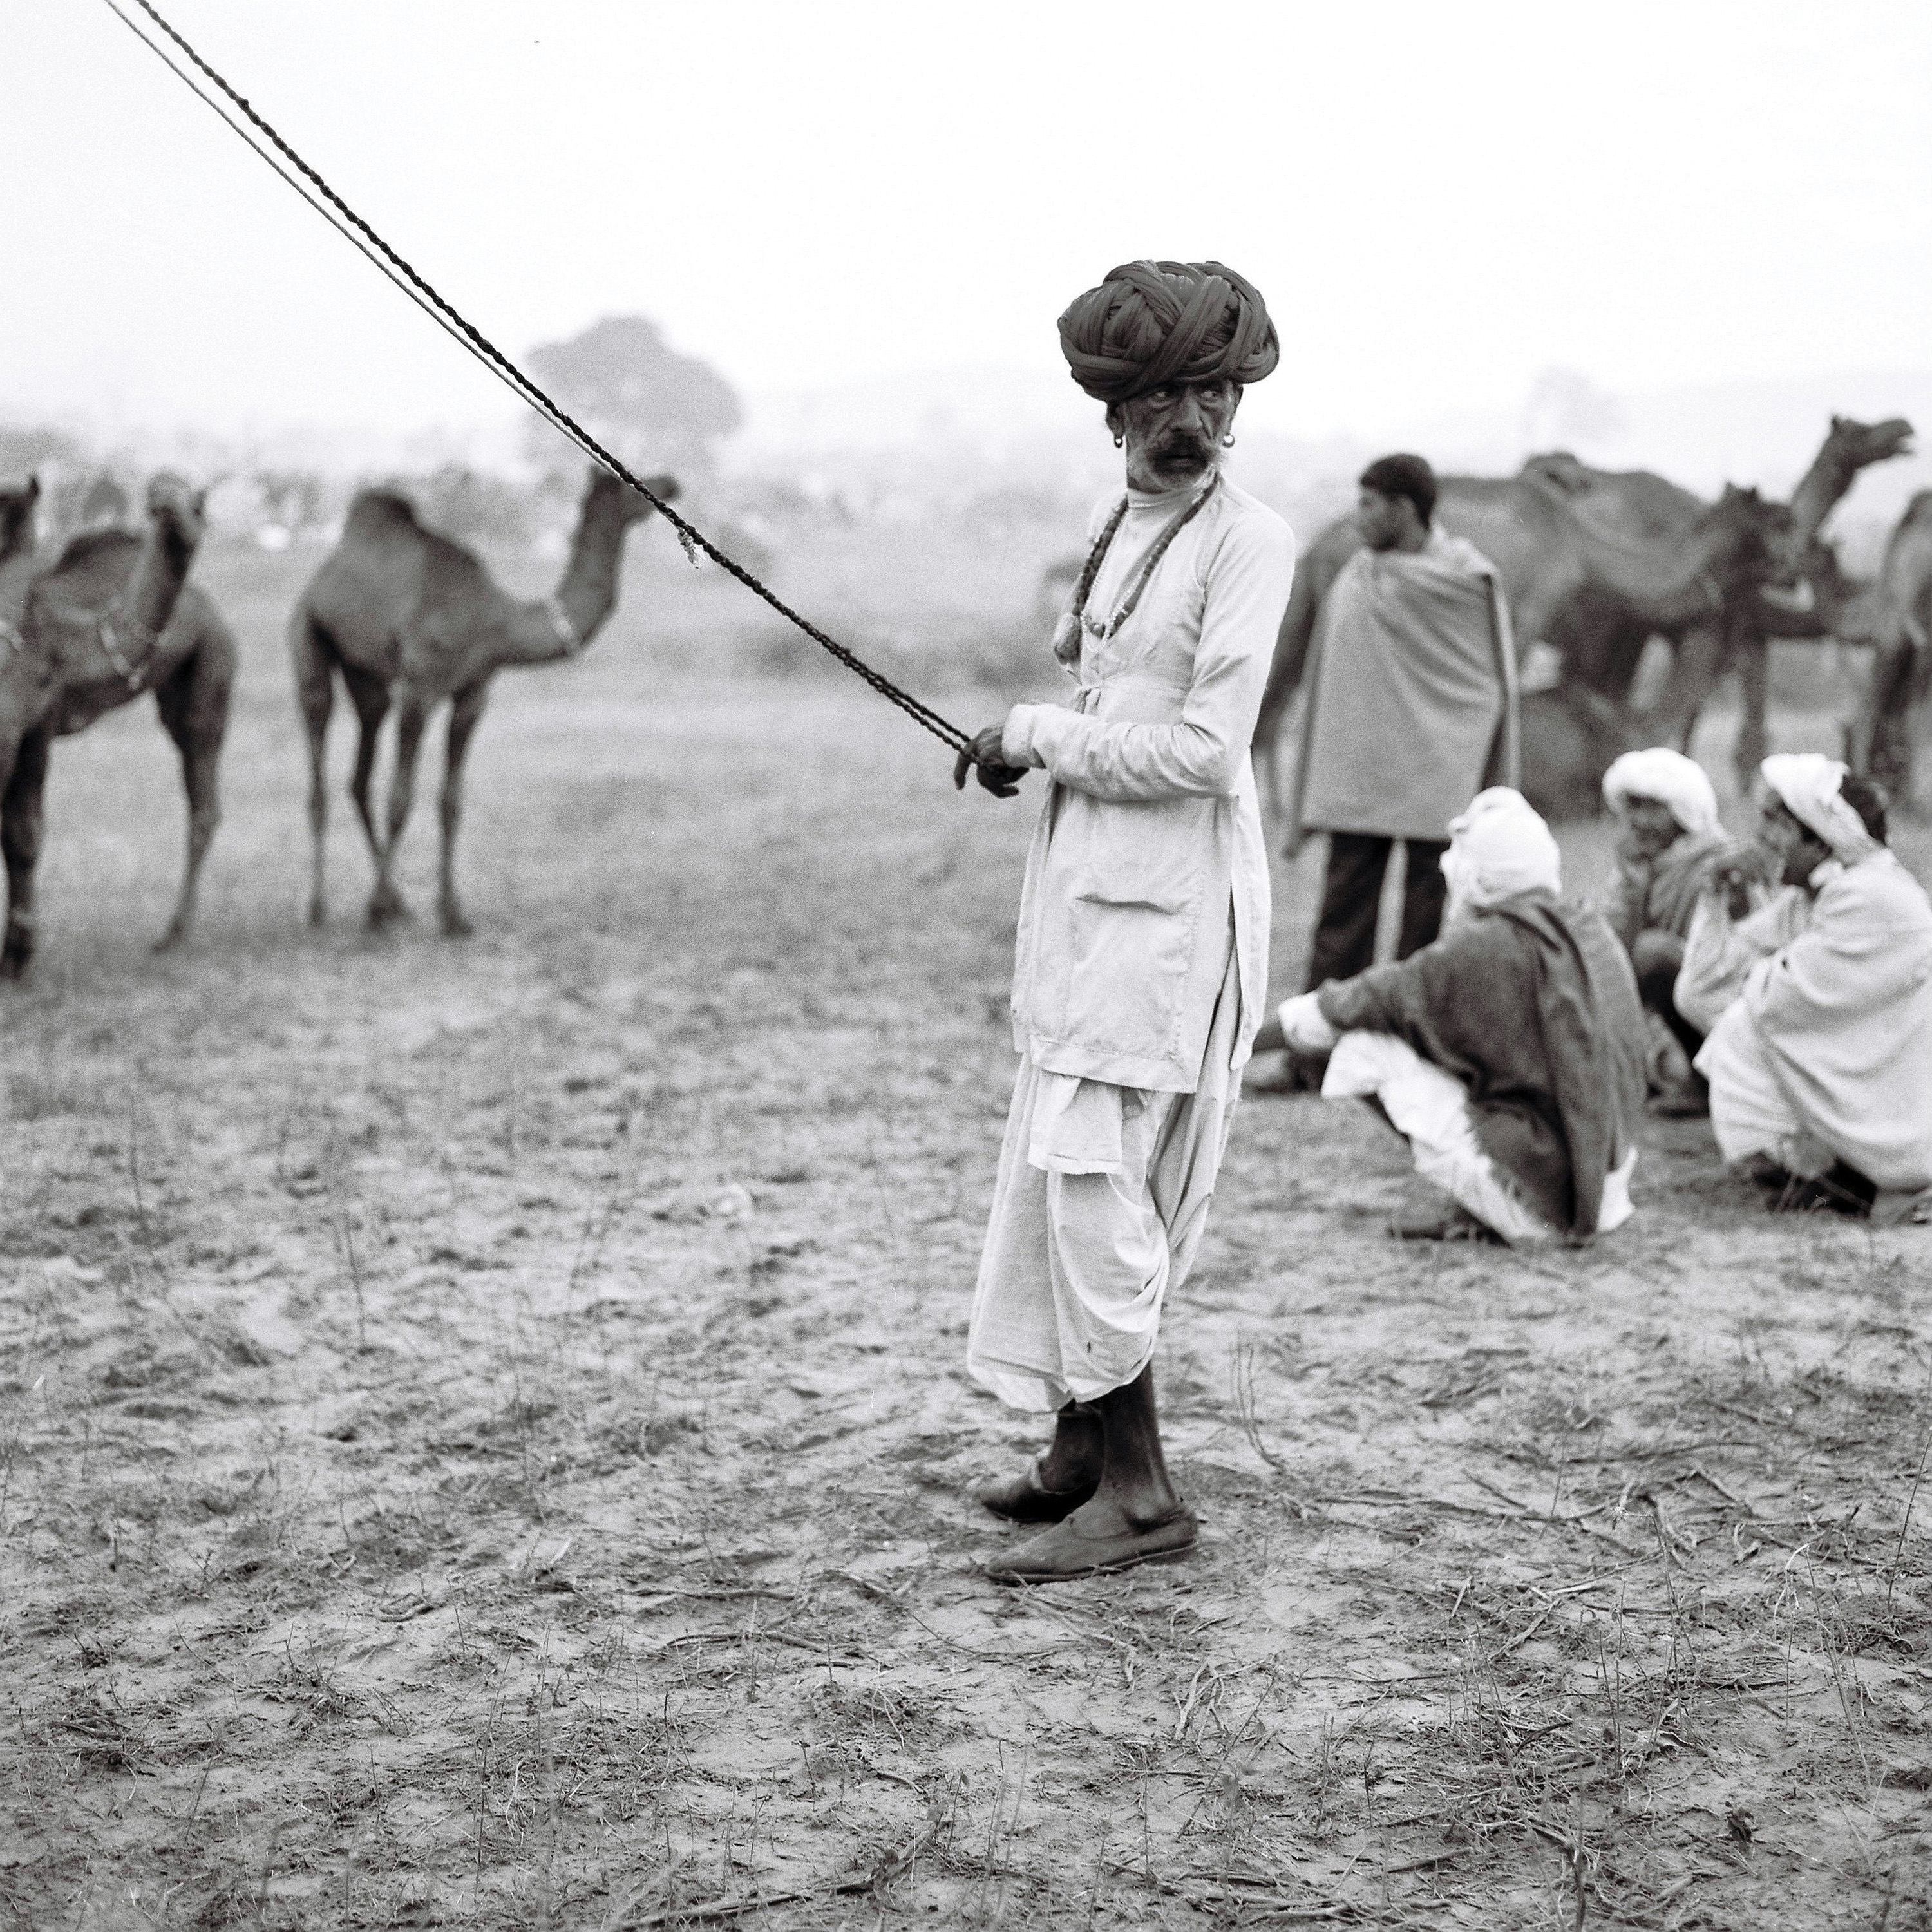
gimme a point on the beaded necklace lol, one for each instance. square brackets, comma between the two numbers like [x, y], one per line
[1066, 631]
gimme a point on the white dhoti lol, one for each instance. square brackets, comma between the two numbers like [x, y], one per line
[1098, 1210]
[1431, 1109]
[1750, 1112]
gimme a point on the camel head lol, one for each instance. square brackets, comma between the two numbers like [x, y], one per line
[178, 512]
[604, 492]
[16, 518]
[1751, 539]
[1851, 445]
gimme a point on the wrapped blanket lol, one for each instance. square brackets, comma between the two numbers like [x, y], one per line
[1412, 697]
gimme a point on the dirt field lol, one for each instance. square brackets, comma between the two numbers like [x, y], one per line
[482, 1438]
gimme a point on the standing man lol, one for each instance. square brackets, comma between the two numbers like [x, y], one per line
[1412, 711]
[1140, 962]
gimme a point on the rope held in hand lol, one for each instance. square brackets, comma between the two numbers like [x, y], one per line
[331, 206]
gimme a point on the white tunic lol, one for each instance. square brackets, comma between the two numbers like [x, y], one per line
[1142, 956]
[1837, 1026]
[1150, 828]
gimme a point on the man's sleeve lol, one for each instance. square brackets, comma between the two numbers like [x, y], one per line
[1849, 959]
[1621, 901]
[1202, 755]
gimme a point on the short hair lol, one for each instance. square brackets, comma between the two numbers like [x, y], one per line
[1868, 800]
[1403, 475]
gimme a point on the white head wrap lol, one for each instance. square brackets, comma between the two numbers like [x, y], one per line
[1808, 783]
[1670, 779]
[1498, 847]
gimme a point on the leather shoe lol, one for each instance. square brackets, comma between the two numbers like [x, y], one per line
[1065, 1552]
[1025, 1498]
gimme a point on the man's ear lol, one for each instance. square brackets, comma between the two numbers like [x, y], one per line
[1117, 419]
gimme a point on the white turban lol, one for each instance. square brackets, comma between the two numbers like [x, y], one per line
[1670, 779]
[1500, 847]
[1808, 783]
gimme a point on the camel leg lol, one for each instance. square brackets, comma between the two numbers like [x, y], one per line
[193, 705]
[1885, 722]
[370, 697]
[20, 823]
[1694, 668]
[1753, 655]
[386, 903]
[315, 691]
[463, 713]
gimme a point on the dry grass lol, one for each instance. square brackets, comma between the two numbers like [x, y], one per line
[482, 1440]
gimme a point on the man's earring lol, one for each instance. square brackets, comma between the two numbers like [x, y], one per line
[1227, 441]
[1120, 442]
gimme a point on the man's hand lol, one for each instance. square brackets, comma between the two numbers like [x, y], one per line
[1740, 876]
[981, 757]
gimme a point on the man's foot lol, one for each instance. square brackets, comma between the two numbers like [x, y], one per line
[1761, 1171]
[1458, 1224]
[1841, 1189]
[1299, 1073]
[1026, 1499]
[1103, 1548]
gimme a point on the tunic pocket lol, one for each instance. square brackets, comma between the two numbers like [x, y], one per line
[1130, 965]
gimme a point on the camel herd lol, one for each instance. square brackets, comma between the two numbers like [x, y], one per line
[406, 618]
[1596, 563]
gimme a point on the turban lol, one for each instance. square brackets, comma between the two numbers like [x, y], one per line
[1499, 848]
[1152, 322]
[1670, 779]
[1808, 784]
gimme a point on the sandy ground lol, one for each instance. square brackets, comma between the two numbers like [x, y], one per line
[482, 1438]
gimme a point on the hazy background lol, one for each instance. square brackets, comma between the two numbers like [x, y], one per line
[1673, 235]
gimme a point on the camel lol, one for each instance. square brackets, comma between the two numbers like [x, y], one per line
[409, 617]
[1541, 530]
[1601, 638]
[1898, 620]
[109, 619]
[17, 508]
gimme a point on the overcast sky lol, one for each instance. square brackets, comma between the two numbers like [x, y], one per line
[1438, 201]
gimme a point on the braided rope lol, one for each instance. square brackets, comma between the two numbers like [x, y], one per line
[319, 196]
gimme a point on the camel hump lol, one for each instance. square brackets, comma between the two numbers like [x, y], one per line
[94, 547]
[378, 513]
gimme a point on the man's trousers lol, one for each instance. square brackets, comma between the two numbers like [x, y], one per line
[1352, 891]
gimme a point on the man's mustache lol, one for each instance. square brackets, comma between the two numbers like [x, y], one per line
[1182, 443]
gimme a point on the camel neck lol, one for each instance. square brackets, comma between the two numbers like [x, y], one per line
[587, 591]
[160, 571]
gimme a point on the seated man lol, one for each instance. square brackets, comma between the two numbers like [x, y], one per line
[1510, 1053]
[1821, 1069]
[1668, 845]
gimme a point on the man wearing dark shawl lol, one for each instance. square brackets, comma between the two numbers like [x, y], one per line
[1412, 710]
[1141, 954]
[1509, 1052]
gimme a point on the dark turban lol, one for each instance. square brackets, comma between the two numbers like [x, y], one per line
[1409, 476]
[1152, 322]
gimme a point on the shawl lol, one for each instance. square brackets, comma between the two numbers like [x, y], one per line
[1531, 1005]
[1412, 699]
[1845, 1014]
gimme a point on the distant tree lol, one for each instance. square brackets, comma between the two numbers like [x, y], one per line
[636, 394]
